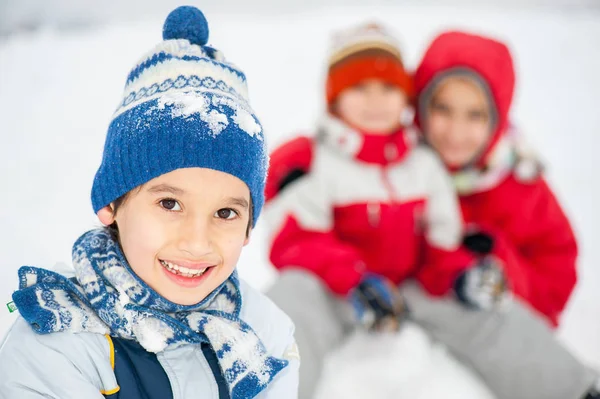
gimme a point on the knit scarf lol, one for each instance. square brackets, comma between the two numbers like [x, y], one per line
[107, 297]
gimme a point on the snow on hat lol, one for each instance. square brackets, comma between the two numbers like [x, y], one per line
[184, 106]
[364, 52]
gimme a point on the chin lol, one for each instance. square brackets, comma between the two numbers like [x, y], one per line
[189, 302]
[182, 296]
[185, 300]
[453, 161]
[456, 165]
[381, 128]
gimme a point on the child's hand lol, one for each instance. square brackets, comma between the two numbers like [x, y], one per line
[479, 243]
[483, 286]
[377, 303]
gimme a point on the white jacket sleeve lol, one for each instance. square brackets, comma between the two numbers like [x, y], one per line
[276, 331]
[285, 384]
[443, 214]
[58, 366]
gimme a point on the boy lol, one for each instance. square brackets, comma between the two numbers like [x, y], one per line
[356, 209]
[155, 308]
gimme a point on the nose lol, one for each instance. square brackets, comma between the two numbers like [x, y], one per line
[195, 237]
[375, 95]
[456, 129]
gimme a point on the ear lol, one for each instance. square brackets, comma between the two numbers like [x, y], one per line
[333, 109]
[247, 240]
[106, 215]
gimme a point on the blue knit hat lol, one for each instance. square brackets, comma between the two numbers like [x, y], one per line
[184, 106]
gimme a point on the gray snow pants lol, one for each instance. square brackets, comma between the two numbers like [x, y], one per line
[514, 351]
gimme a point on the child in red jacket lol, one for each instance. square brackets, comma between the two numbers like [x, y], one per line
[517, 233]
[358, 208]
[465, 86]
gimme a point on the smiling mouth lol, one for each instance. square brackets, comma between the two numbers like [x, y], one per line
[181, 270]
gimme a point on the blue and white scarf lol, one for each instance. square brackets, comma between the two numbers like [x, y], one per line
[107, 297]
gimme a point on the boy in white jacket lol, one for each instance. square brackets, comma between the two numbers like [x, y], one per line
[155, 308]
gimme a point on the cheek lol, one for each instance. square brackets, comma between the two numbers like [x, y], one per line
[349, 105]
[141, 239]
[230, 244]
[234, 249]
[478, 135]
[395, 105]
[437, 129]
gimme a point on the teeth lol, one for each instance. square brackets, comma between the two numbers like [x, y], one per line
[183, 271]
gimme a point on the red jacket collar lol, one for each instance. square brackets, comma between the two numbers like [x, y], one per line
[366, 147]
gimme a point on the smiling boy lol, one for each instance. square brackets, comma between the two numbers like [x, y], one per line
[155, 309]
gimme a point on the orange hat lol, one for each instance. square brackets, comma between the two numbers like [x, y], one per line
[366, 52]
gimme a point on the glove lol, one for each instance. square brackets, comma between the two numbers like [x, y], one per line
[483, 286]
[594, 392]
[479, 243]
[377, 304]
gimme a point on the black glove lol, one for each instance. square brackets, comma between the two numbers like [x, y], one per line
[378, 306]
[479, 243]
[594, 392]
[483, 286]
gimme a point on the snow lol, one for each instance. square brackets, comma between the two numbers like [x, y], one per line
[58, 91]
[246, 122]
[364, 359]
[185, 104]
[150, 332]
[188, 103]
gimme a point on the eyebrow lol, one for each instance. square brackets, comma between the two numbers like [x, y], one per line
[239, 201]
[165, 188]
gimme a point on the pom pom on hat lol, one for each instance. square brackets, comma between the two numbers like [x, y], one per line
[186, 22]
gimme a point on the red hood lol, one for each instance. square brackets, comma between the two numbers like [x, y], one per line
[488, 58]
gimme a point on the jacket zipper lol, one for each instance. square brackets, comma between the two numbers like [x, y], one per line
[388, 184]
[374, 208]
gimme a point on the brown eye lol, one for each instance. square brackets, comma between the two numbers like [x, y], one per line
[389, 87]
[477, 115]
[440, 108]
[170, 204]
[360, 87]
[226, 213]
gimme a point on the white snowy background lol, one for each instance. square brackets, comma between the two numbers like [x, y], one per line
[60, 83]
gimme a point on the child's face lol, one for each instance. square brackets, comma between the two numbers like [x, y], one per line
[458, 121]
[372, 106]
[183, 232]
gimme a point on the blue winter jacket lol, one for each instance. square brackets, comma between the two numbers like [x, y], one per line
[93, 366]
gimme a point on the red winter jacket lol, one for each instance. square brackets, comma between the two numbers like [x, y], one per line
[344, 203]
[532, 235]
